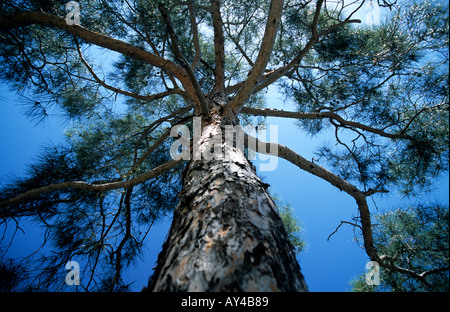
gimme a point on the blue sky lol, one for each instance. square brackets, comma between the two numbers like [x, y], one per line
[327, 265]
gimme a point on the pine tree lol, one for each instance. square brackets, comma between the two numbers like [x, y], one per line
[190, 74]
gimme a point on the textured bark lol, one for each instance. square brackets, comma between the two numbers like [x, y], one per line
[226, 233]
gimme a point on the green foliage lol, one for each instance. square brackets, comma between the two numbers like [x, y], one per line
[417, 239]
[293, 228]
[386, 77]
[292, 224]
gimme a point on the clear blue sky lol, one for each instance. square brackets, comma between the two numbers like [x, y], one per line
[327, 266]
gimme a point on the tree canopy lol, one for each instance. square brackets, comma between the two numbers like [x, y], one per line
[382, 90]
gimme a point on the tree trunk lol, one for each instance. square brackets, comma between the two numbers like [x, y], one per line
[226, 233]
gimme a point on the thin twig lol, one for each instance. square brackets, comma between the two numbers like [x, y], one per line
[337, 228]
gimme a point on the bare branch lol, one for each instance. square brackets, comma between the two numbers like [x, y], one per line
[241, 50]
[138, 162]
[344, 22]
[340, 224]
[272, 76]
[235, 39]
[434, 271]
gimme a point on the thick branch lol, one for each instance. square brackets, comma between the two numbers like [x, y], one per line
[80, 185]
[219, 47]
[320, 115]
[176, 51]
[29, 18]
[272, 76]
[359, 196]
[273, 20]
[195, 37]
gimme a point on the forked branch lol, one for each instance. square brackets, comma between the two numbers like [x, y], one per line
[29, 18]
[273, 20]
[176, 51]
